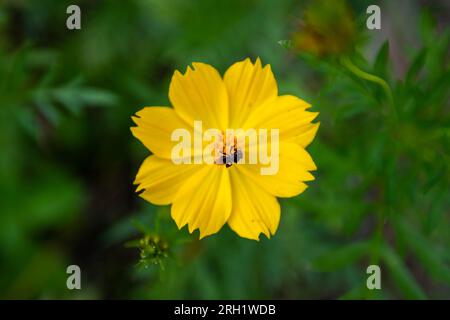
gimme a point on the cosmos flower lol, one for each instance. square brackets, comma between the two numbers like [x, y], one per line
[206, 196]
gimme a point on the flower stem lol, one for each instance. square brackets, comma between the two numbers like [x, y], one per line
[372, 78]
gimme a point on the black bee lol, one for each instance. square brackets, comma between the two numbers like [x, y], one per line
[229, 159]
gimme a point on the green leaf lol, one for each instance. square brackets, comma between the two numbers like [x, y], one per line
[74, 99]
[45, 105]
[97, 97]
[68, 98]
[416, 65]
[401, 275]
[341, 257]
[382, 60]
[422, 248]
[427, 26]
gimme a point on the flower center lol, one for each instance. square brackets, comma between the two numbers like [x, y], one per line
[227, 152]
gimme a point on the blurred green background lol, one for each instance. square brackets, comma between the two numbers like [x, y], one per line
[68, 159]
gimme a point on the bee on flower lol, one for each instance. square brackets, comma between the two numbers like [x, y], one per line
[226, 175]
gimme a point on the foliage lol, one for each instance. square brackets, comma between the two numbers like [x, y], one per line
[68, 160]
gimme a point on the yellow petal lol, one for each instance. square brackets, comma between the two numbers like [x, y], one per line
[305, 138]
[286, 113]
[204, 201]
[294, 164]
[200, 94]
[161, 179]
[254, 210]
[154, 129]
[249, 85]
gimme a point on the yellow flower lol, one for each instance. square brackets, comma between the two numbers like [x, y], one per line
[206, 196]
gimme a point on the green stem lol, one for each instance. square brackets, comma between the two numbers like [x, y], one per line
[372, 78]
